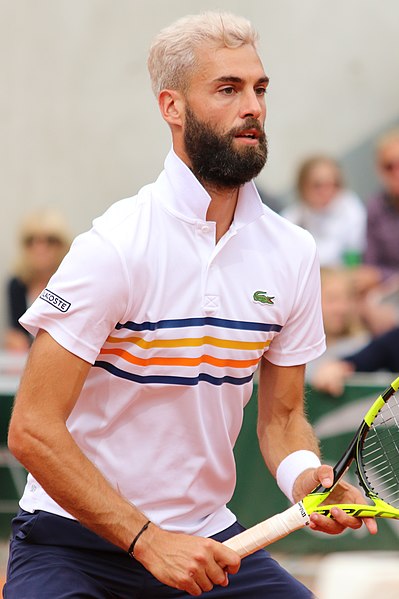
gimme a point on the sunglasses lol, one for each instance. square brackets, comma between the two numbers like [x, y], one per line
[320, 184]
[50, 240]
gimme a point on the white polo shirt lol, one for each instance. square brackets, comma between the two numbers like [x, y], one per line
[175, 326]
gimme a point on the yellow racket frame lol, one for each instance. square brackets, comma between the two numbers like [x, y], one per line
[313, 502]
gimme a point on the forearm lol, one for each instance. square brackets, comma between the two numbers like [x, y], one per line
[56, 462]
[282, 424]
[40, 440]
[178, 560]
[279, 439]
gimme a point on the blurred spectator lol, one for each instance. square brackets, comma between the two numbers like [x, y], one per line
[335, 216]
[382, 248]
[379, 308]
[378, 278]
[381, 353]
[338, 299]
[342, 325]
[43, 241]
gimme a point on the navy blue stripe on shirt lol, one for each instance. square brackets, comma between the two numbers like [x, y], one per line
[172, 380]
[199, 322]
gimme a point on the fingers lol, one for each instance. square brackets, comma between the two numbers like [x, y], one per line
[204, 574]
[199, 579]
[335, 525]
[324, 475]
[204, 580]
[228, 559]
[311, 478]
[339, 521]
[371, 525]
[191, 564]
[214, 572]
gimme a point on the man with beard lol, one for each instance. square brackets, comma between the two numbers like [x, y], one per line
[147, 340]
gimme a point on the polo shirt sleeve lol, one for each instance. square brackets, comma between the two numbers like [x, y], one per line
[84, 299]
[302, 336]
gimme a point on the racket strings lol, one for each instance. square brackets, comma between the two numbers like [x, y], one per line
[380, 453]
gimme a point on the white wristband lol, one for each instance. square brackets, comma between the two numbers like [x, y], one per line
[292, 466]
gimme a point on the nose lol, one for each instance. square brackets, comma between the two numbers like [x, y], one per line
[252, 105]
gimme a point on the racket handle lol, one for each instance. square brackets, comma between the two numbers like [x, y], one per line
[269, 530]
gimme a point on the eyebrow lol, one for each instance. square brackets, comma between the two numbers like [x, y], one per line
[233, 79]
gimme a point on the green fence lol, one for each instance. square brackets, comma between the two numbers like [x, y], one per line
[257, 496]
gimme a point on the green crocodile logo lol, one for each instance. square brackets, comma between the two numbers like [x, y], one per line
[262, 298]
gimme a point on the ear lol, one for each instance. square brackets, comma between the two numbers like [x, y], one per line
[171, 105]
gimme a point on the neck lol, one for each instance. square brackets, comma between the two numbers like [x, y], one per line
[223, 199]
[222, 207]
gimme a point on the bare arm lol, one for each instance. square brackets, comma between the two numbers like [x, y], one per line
[282, 424]
[40, 440]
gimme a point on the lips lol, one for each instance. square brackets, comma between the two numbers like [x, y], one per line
[249, 133]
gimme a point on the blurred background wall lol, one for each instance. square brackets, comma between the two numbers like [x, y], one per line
[80, 128]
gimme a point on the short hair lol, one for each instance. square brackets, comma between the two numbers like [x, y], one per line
[172, 55]
[306, 168]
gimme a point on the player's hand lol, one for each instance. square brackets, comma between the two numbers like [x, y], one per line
[188, 563]
[343, 493]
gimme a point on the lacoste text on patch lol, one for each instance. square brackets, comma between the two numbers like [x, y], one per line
[55, 300]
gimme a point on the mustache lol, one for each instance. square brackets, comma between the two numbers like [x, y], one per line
[249, 123]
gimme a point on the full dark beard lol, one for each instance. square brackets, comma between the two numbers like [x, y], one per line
[215, 160]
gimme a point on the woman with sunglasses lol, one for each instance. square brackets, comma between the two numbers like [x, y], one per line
[43, 241]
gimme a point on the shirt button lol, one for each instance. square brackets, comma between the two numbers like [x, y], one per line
[205, 228]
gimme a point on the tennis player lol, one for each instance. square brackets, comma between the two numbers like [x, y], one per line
[147, 340]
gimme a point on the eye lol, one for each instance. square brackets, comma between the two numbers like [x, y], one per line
[227, 91]
[261, 91]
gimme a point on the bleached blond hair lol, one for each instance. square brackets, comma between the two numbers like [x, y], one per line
[173, 53]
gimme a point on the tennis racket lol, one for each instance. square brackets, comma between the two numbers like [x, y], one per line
[375, 451]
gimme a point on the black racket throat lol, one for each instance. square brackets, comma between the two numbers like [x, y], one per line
[346, 460]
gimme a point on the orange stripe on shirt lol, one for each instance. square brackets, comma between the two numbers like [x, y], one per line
[179, 361]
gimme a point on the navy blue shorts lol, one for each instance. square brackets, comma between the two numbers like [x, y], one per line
[57, 558]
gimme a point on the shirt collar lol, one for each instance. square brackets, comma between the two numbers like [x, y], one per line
[182, 193]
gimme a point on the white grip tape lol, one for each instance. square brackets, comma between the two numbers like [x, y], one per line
[269, 530]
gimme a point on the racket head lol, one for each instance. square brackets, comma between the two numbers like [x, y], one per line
[378, 473]
[377, 453]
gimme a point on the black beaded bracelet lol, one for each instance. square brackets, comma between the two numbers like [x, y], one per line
[136, 538]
